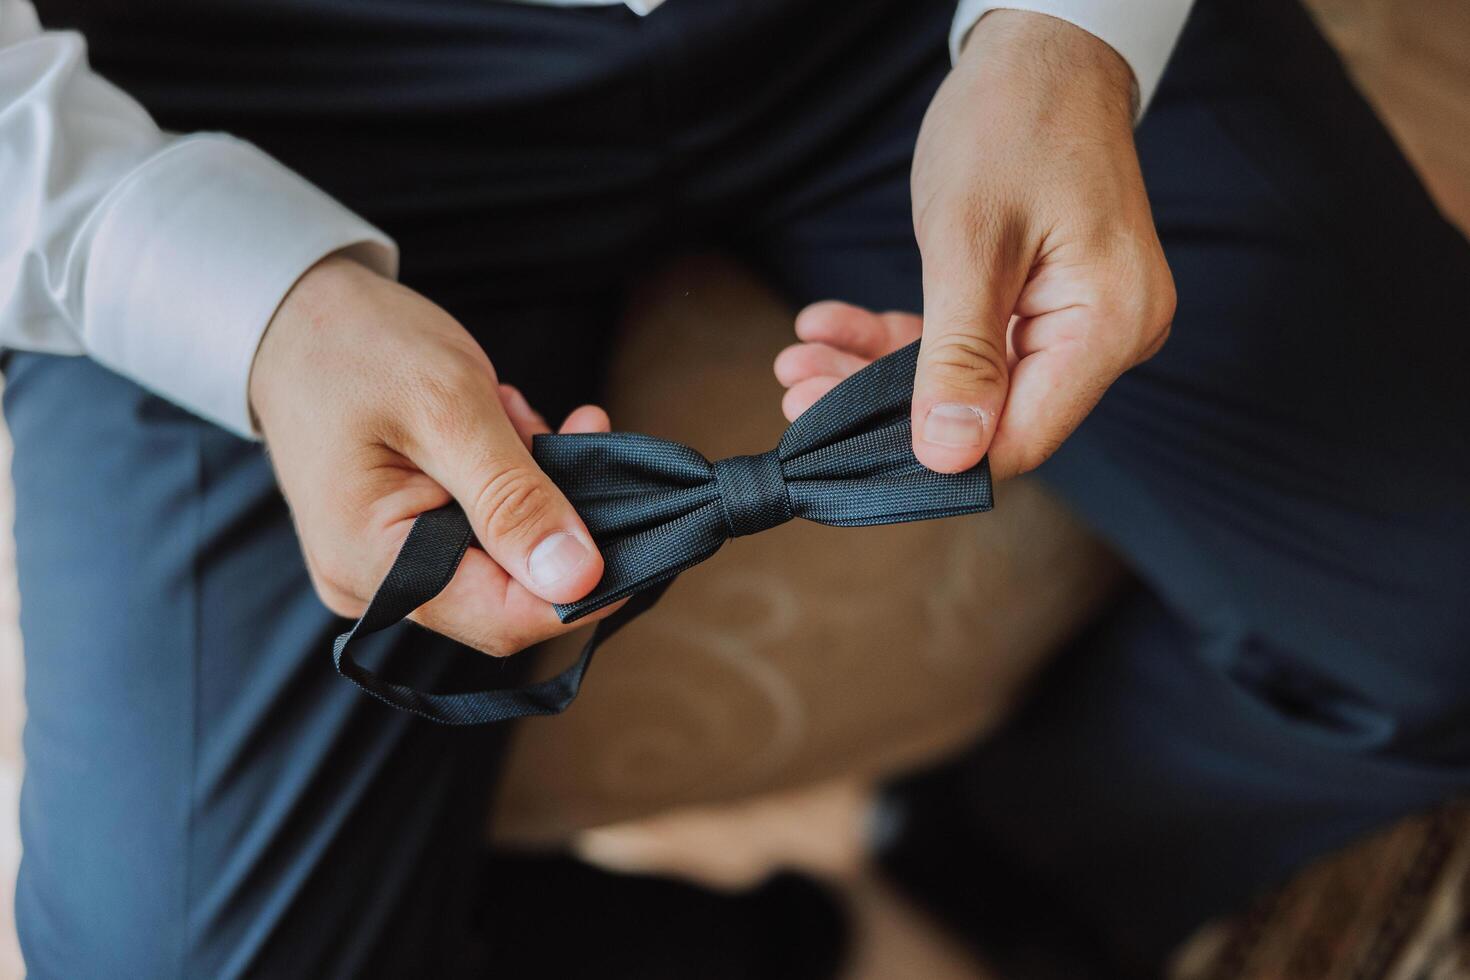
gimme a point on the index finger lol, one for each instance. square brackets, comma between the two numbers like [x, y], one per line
[484, 608]
[1052, 391]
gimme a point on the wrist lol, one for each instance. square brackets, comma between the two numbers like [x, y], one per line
[1048, 55]
[319, 295]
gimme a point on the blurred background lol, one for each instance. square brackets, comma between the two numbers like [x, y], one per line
[741, 759]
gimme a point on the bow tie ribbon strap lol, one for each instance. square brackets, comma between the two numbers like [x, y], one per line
[657, 508]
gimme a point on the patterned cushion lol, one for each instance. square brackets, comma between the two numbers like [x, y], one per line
[1394, 905]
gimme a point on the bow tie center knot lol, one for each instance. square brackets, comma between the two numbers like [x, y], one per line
[753, 493]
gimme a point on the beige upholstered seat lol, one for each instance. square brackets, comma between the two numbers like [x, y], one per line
[805, 652]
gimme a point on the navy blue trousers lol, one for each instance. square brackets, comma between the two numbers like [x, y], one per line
[1289, 478]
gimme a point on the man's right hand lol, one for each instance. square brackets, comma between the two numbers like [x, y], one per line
[377, 406]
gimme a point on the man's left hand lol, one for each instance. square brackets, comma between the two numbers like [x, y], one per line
[1044, 279]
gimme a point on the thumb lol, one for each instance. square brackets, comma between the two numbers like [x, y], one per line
[520, 517]
[960, 387]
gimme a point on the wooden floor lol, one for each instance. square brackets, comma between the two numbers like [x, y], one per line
[1413, 62]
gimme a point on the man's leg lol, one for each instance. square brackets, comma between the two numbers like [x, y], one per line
[197, 776]
[204, 795]
[1288, 478]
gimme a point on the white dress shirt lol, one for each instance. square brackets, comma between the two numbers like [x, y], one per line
[164, 256]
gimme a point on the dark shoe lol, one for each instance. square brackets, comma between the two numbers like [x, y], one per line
[560, 918]
[930, 852]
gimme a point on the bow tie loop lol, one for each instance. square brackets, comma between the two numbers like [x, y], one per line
[753, 493]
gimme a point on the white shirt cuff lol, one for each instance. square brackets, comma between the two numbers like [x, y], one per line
[190, 260]
[1143, 32]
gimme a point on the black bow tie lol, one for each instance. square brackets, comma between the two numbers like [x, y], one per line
[656, 508]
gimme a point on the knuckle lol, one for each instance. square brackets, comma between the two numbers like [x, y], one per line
[1038, 452]
[340, 603]
[440, 405]
[491, 643]
[993, 237]
[513, 502]
[1156, 341]
[481, 639]
[1158, 316]
[334, 591]
[1166, 301]
[502, 640]
[983, 233]
[447, 398]
[1140, 300]
[967, 360]
[510, 642]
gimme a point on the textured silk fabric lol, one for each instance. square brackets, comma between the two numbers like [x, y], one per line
[657, 508]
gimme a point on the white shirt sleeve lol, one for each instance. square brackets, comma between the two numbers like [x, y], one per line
[1143, 32]
[162, 257]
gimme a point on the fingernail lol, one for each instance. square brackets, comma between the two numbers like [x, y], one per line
[555, 558]
[953, 424]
